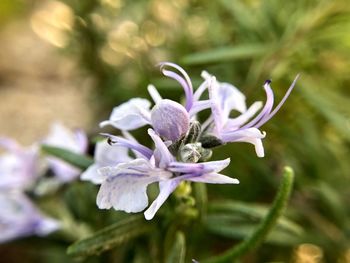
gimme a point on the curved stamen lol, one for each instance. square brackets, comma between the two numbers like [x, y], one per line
[117, 140]
[184, 81]
[267, 108]
[269, 116]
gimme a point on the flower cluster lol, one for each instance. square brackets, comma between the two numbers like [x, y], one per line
[182, 145]
[21, 169]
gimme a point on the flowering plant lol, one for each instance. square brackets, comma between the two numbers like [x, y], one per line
[182, 145]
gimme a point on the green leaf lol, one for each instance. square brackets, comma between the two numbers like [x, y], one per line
[110, 237]
[226, 54]
[178, 250]
[267, 224]
[243, 230]
[77, 160]
[229, 212]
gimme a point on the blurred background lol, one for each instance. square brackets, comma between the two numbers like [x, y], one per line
[73, 60]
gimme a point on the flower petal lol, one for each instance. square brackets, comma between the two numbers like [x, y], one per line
[162, 154]
[170, 119]
[60, 136]
[199, 106]
[91, 174]
[125, 192]
[130, 115]
[165, 189]
[109, 155]
[214, 178]
[250, 135]
[198, 168]
[19, 217]
[63, 171]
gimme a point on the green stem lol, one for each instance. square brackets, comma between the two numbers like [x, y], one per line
[259, 235]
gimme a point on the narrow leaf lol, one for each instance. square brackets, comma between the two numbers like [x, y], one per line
[227, 210]
[77, 160]
[111, 236]
[261, 232]
[178, 250]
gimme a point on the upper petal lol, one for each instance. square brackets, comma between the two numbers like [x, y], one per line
[109, 155]
[170, 119]
[130, 115]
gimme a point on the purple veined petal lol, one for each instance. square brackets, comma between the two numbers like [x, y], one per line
[130, 115]
[170, 120]
[214, 178]
[235, 123]
[120, 141]
[153, 92]
[250, 135]
[198, 93]
[269, 116]
[125, 192]
[165, 189]
[199, 106]
[198, 168]
[267, 108]
[161, 153]
[184, 81]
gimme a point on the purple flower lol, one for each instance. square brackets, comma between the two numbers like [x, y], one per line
[168, 118]
[20, 218]
[125, 184]
[18, 165]
[105, 155]
[244, 128]
[76, 142]
[181, 144]
[19, 173]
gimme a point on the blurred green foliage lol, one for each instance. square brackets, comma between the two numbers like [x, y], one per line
[244, 42]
